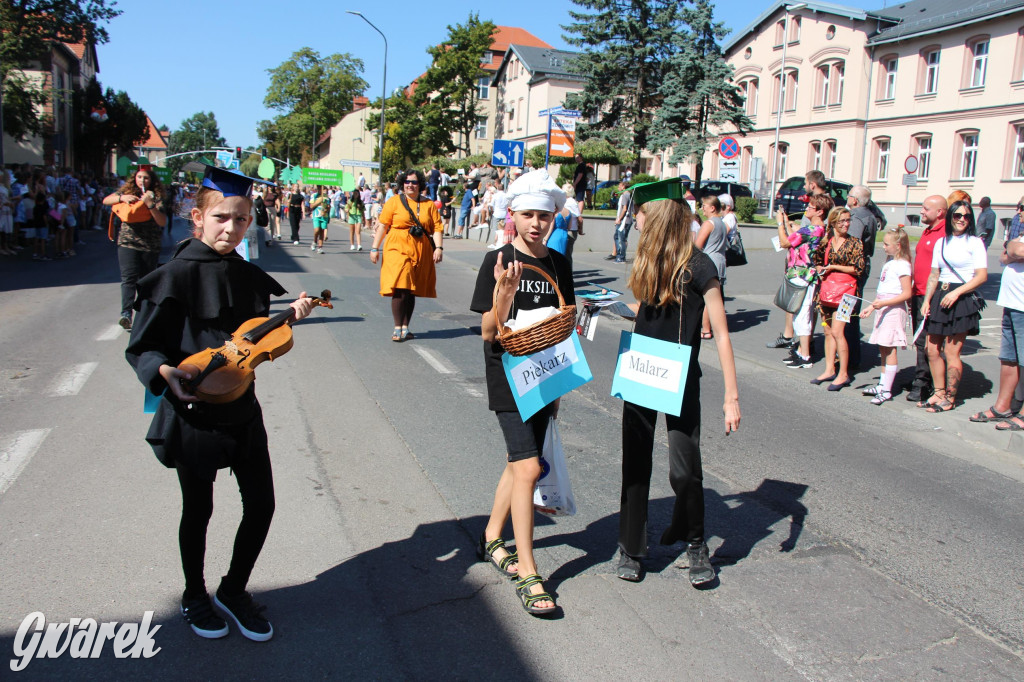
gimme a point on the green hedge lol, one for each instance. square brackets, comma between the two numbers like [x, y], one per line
[605, 196]
[746, 207]
[643, 177]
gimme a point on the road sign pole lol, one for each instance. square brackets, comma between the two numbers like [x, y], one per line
[547, 149]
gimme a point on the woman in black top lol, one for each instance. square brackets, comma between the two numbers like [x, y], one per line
[673, 282]
[535, 200]
[295, 202]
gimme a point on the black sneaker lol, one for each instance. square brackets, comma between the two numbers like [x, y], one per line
[701, 571]
[783, 342]
[791, 358]
[204, 620]
[630, 568]
[126, 323]
[800, 362]
[247, 615]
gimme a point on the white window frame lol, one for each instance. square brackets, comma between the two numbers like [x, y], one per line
[782, 154]
[824, 73]
[481, 127]
[816, 155]
[839, 78]
[924, 156]
[483, 87]
[882, 148]
[969, 155]
[1017, 170]
[979, 63]
[831, 146]
[931, 72]
[890, 79]
[750, 91]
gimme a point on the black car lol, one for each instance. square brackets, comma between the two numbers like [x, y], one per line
[788, 196]
[716, 187]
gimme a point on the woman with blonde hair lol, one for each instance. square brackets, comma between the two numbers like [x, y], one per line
[673, 282]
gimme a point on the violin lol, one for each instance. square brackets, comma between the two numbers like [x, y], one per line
[224, 374]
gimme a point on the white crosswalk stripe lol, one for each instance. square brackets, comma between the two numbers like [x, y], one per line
[16, 453]
[115, 331]
[71, 380]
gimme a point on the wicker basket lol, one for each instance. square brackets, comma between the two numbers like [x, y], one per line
[539, 335]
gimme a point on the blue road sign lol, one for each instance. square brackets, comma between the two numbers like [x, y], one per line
[508, 153]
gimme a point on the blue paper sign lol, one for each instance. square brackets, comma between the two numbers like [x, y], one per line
[539, 379]
[651, 373]
[151, 401]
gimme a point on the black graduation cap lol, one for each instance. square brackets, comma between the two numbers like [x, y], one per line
[228, 183]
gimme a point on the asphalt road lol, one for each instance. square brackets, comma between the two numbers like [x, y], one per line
[851, 541]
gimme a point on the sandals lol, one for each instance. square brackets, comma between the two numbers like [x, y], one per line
[1014, 423]
[707, 336]
[407, 335]
[991, 415]
[485, 551]
[523, 588]
[939, 394]
[397, 334]
[944, 405]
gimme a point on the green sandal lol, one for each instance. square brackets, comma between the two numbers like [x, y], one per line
[485, 551]
[523, 588]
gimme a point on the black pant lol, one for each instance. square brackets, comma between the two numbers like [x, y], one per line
[256, 484]
[134, 266]
[922, 372]
[685, 475]
[294, 217]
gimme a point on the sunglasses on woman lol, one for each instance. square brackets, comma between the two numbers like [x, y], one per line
[412, 182]
[957, 217]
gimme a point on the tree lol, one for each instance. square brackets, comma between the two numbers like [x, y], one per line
[125, 125]
[626, 45]
[250, 165]
[311, 92]
[27, 29]
[446, 95]
[198, 131]
[698, 95]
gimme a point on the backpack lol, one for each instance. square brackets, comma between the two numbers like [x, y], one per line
[260, 209]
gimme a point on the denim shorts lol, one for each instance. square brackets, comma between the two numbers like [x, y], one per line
[1011, 349]
[524, 440]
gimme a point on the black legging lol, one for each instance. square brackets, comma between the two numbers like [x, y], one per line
[685, 475]
[294, 217]
[256, 484]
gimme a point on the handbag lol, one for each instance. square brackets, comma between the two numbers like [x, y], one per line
[976, 301]
[790, 296]
[836, 285]
[734, 252]
[553, 494]
[416, 230]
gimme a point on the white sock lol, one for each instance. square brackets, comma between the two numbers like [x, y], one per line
[888, 376]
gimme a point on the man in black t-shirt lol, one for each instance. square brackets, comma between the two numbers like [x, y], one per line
[579, 179]
[295, 203]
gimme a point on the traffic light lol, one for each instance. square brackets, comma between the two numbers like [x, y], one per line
[238, 153]
[263, 153]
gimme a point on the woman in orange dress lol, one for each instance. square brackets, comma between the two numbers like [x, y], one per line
[409, 250]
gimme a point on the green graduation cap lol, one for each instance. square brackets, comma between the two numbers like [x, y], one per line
[656, 191]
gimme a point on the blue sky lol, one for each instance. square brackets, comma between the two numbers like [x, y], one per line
[175, 59]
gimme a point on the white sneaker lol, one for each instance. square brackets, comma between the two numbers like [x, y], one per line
[312, 247]
[319, 250]
[359, 248]
[351, 247]
[295, 243]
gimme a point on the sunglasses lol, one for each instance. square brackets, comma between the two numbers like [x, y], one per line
[960, 216]
[412, 182]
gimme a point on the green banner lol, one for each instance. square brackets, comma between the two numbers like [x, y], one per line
[322, 176]
[166, 175]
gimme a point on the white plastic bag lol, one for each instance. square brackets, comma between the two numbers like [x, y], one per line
[553, 494]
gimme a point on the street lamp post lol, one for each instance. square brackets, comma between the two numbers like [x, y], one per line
[383, 93]
[778, 117]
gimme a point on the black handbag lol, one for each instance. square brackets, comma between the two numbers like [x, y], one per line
[973, 297]
[790, 296]
[734, 252]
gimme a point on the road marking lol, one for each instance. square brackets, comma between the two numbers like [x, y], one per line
[114, 331]
[72, 380]
[432, 360]
[16, 454]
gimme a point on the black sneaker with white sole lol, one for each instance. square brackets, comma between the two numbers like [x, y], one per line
[800, 362]
[205, 622]
[783, 342]
[247, 615]
[701, 571]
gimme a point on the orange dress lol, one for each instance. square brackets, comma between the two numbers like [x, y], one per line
[407, 261]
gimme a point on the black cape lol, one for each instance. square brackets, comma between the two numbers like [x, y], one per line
[195, 302]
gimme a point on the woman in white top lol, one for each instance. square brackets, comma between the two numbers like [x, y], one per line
[728, 215]
[711, 239]
[951, 306]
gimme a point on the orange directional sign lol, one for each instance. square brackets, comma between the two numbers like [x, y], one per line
[563, 136]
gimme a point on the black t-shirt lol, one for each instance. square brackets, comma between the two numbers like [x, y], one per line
[579, 177]
[296, 199]
[434, 177]
[534, 292]
[662, 322]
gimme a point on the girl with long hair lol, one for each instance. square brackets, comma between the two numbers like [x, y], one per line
[674, 282]
[894, 290]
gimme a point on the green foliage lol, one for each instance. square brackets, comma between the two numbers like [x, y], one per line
[643, 177]
[535, 155]
[198, 131]
[126, 125]
[746, 207]
[250, 165]
[605, 196]
[309, 91]
[626, 49]
[27, 29]
[698, 95]
[565, 172]
[393, 159]
[446, 95]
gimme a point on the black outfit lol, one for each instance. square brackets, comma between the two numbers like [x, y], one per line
[192, 303]
[922, 371]
[295, 213]
[685, 473]
[534, 292]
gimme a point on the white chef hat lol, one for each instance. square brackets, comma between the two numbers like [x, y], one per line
[535, 191]
[572, 206]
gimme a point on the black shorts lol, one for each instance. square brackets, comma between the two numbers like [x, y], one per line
[524, 440]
